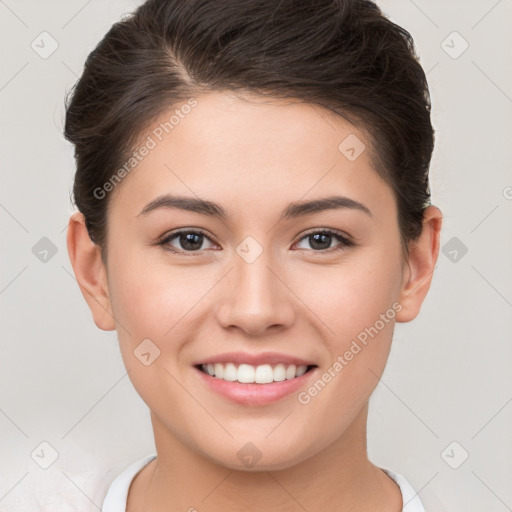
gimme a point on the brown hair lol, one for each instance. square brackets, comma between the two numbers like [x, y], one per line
[344, 55]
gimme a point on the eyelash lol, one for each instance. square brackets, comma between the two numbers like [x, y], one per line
[345, 242]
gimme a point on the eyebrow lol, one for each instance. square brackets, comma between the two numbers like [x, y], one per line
[293, 210]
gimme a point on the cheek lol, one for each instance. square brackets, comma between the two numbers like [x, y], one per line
[352, 296]
[358, 309]
[149, 298]
[150, 304]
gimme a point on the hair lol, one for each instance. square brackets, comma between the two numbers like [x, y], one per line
[344, 55]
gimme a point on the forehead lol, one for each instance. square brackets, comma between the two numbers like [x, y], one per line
[251, 152]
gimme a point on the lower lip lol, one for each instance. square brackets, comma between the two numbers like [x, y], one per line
[255, 394]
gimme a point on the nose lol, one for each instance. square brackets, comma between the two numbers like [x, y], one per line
[255, 297]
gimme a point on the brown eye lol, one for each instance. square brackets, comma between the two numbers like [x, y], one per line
[320, 241]
[185, 241]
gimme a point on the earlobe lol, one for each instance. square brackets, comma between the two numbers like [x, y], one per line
[419, 268]
[90, 272]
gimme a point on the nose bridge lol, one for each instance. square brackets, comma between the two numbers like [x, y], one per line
[255, 298]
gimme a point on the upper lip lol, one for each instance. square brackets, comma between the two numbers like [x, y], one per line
[255, 359]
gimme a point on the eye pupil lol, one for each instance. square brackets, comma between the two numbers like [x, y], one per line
[320, 238]
[189, 241]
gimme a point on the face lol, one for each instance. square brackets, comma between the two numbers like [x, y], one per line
[267, 283]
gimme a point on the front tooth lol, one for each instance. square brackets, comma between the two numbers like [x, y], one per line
[301, 370]
[245, 373]
[264, 374]
[279, 373]
[230, 372]
[219, 370]
[290, 371]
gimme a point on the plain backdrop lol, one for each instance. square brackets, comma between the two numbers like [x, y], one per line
[442, 413]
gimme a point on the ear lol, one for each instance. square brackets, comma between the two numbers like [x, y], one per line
[419, 266]
[90, 272]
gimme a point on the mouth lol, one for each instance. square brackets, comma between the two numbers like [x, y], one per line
[255, 379]
[249, 385]
[251, 374]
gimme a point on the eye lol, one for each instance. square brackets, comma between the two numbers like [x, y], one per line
[190, 241]
[321, 240]
[187, 240]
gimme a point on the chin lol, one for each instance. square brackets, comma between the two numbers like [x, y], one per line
[260, 455]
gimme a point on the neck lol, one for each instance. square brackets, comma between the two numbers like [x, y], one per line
[338, 477]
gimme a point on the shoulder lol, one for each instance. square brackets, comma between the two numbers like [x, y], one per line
[411, 499]
[429, 501]
[117, 493]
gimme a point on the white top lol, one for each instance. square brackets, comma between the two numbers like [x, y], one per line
[117, 494]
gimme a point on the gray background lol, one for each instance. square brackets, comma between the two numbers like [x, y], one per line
[62, 380]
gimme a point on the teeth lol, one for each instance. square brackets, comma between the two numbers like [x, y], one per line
[248, 374]
[280, 372]
[230, 372]
[301, 370]
[291, 371]
[219, 370]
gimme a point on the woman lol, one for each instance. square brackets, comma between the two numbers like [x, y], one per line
[254, 217]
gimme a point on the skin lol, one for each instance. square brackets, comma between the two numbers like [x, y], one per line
[254, 157]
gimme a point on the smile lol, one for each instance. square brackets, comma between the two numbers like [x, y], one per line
[249, 374]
